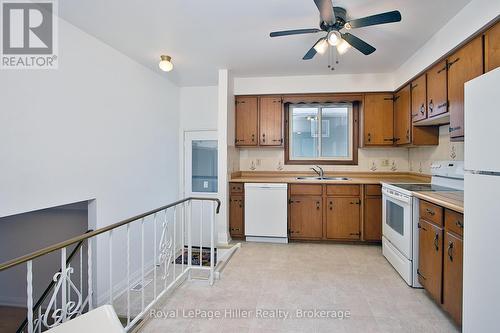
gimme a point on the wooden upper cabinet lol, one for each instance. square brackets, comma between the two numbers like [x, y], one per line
[378, 120]
[430, 258]
[343, 218]
[270, 121]
[463, 65]
[306, 217]
[419, 98]
[246, 121]
[402, 120]
[453, 276]
[437, 94]
[492, 48]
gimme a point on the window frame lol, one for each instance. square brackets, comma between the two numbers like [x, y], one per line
[324, 161]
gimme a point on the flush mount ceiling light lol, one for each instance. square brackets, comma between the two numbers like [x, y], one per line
[166, 63]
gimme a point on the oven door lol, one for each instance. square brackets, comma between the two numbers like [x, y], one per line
[397, 216]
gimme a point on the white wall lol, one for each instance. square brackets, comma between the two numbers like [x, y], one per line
[198, 108]
[101, 126]
[313, 84]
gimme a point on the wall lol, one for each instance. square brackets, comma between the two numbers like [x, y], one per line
[50, 226]
[101, 126]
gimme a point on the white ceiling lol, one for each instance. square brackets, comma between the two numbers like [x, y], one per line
[205, 35]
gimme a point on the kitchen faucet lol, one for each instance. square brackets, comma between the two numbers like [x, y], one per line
[320, 172]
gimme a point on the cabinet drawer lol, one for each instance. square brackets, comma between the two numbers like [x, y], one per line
[236, 187]
[349, 190]
[302, 189]
[454, 222]
[373, 190]
[431, 212]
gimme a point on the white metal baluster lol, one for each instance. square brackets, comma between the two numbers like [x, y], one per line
[81, 270]
[63, 284]
[201, 233]
[212, 245]
[165, 228]
[154, 257]
[174, 251]
[142, 264]
[128, 274]
[190, 244]
[110, 239]
[89, 272]
[183, 245]
[29, 292]
[39, 319]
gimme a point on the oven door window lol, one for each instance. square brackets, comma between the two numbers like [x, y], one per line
[395, 217]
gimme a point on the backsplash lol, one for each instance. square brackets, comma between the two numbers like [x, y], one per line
[418, 159]
[371, 159]
[421, 158]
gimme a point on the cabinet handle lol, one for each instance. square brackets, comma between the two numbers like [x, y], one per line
[420, 274]
[431, 106]
[452, 62]
[280, 140]
[420, 227]
[413, 86]
[263, 137]
[430, 212]
[391, 139]
[355, 202]
[453, 129]
[253, 137]
[331, 205]
[450, 251]
[407, 134]
[459, 224]
[422, 108]
[436, 241]
[442, 69]
[369, 137]
[317, 204]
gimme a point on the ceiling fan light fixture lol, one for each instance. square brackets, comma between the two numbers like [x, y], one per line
[321, 46]
[333, 38]
[343, 46]
[348, 26]
[166, 63]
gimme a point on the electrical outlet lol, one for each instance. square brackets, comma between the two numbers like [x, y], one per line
[384, 162]
[258, 161]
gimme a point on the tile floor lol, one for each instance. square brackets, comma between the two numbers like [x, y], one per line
[335, 277]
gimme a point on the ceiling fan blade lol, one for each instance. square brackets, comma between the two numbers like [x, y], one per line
[325, 8]
[389, 17]
[294, 32]
[359, 44]
[312, 51]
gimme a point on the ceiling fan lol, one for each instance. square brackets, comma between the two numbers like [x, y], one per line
[332, 21]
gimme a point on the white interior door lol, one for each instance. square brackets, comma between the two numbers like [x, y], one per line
[201, 180]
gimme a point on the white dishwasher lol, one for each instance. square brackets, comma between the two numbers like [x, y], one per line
[266, 212]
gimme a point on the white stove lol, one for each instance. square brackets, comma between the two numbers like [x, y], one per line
[400, 216]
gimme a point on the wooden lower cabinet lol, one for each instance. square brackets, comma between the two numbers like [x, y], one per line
[430, 258]
[372, 221]
[452, 276]
[306, 217]
[342, 218]
[236, 216]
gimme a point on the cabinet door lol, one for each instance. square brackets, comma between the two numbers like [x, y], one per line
[430, 258]
[492, 48]
[270, 121]
[419, 98]
[342, 218]
[437, 94]
[402, 120]
[378, 119]
[453, 276]
[464, 65]
[372, 225]
[246, 121]
[306, 217]
[236, 215]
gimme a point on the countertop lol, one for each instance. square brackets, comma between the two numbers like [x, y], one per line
[355, 178]
[453, 200]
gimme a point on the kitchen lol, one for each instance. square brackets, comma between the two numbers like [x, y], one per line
[403, 188]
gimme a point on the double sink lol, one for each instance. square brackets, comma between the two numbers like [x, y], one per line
[323, 178]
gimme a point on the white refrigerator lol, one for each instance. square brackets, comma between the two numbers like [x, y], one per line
[481, 274]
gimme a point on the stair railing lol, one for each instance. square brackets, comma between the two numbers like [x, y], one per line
[162, 266]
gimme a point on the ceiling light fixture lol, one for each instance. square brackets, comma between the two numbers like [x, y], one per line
[166, 63]
[321, 46]
[343, 46]
[333, 38]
